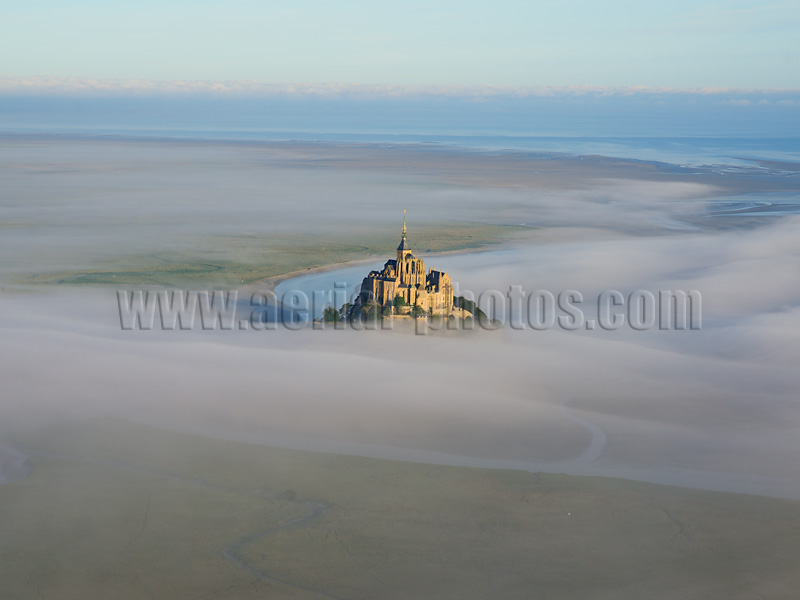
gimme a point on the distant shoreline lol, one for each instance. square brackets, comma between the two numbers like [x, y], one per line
[601, 148]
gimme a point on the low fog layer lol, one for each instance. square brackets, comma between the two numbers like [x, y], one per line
[712, 408]
[715, 407]
[82, 205]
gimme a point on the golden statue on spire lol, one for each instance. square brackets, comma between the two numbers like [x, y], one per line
[404, 222]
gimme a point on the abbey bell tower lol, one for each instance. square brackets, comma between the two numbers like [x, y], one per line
[403, 250]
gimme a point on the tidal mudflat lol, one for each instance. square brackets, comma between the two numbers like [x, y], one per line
[147, 512]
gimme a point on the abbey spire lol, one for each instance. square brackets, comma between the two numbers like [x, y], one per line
[404, 249]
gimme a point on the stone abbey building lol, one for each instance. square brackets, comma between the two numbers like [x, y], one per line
[406, 276]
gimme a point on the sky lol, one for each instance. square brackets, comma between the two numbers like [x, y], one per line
[574, 68]
[678, 44]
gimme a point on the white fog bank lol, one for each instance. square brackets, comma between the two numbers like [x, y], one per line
[714, 408]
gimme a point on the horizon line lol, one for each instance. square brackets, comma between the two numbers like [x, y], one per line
[69, 86]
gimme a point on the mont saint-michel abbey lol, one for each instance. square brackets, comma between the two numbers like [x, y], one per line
[405, 276]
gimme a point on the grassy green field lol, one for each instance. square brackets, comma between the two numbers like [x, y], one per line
[116, 510]
[229, 261]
